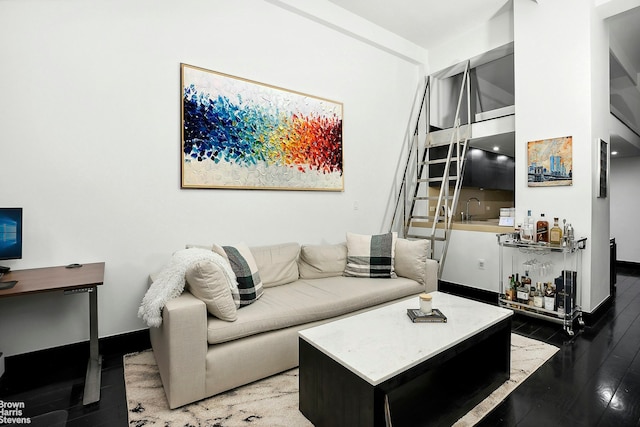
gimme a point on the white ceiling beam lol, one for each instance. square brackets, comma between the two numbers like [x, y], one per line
[608, 8]
[623, 130]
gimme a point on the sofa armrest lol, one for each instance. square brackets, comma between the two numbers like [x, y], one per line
[431, 276]
[180, 348]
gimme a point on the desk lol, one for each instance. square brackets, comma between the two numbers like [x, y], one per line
[69, 280]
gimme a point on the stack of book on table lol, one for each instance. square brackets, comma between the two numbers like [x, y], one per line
[418, 316]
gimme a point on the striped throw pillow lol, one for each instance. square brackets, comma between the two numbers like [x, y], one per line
[244, 266]
[371, 256]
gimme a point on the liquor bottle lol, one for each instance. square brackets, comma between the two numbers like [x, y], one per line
[538, 298]
[569, 235]
[527, 230]
[508, 291]
[532, 294]
[555, 234]
[526, 283]
[542, 230]
[549, 296]
[526, 280]
[561, 311]
[522, 293]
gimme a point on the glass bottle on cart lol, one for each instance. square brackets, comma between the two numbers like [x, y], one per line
[545, 277]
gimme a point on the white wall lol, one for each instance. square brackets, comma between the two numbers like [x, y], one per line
[625, 175]
[600, 207]
[561, 89]
[90, 142]
[462, 266]
[486, 36]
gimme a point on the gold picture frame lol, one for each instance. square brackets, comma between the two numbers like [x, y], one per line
[242, 134]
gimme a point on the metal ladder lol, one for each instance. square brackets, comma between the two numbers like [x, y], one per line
[424, 211]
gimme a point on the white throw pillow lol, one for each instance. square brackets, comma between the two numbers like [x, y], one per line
[209, 283]
[411, 259]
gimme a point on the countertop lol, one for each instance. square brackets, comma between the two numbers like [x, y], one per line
[486, 226]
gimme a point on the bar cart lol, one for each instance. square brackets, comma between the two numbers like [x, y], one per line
[551, 278]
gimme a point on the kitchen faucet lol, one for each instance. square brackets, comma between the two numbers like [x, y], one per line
[468, 200]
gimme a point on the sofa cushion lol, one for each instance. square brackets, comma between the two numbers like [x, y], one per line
[278, 264]
[370, 256]
[309, 300]
[246, 271]
[213, 285]
[411, 258]
[318, 261]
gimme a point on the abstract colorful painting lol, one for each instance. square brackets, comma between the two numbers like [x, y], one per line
[237, 133]
[550, 162]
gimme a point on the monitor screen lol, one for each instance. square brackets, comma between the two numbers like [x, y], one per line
[10, 233]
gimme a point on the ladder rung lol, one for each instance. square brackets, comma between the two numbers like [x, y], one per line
[432, 198]
[437, 161]
[419, 236]
[420, 224]
[437, 179]
[442, 143]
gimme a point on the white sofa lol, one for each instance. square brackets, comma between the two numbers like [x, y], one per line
[200, 355]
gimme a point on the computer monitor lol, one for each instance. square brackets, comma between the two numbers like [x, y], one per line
[10, 233]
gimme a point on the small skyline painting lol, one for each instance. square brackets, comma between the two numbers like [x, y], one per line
[241, 134]
[550, 162]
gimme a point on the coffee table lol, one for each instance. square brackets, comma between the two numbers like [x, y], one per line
[378, 367]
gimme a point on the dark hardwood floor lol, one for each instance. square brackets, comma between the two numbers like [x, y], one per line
[50, 381]
[594, 380]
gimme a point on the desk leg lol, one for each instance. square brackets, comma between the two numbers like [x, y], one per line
[94, 368]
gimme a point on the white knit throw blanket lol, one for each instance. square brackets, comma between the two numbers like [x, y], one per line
[171, 280]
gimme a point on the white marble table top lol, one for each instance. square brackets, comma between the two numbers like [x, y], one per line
[379, 344]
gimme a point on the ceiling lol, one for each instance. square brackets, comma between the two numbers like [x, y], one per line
[429, 23]
[426, 23]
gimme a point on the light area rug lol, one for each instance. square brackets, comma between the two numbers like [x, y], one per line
[273, 401]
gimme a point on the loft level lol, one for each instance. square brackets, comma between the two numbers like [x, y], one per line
[495, 122]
